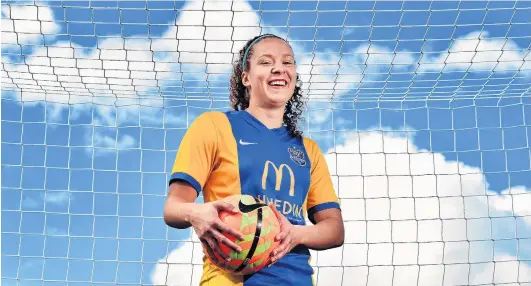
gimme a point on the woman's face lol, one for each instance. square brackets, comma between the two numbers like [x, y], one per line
[271, 77]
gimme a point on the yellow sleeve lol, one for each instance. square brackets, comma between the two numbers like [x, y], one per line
[321, 194]
[197, 153]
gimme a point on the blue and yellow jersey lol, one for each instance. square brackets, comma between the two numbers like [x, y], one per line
[226, 153]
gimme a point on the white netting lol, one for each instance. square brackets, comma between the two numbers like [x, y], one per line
[423, 110]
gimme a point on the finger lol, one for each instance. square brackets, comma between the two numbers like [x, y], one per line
[283, 246]
[281, 235]
[228, 230]
[224, 206]
[207, 243]
[225, 240]
[284, 232]
[214, 245]
[277, 213]
[284, 223]
[278, 256]
[280, 252]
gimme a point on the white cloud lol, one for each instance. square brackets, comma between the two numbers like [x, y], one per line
[26, 24]
[124, 68]
[392, 201]
[182, 267]
[106, 141]
[201, 41]
[411, 216]
[477, 52]
[58, 197]
[130, 73]
[409, 192]
[49, 197]
[201, 44]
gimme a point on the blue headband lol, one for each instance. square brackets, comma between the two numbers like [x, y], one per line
[248, 48]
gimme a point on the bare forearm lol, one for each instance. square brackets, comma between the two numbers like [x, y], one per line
[328, 233]
[180, 205]
[178, 214]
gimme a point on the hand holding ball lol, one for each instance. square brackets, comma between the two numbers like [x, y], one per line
[259, 225]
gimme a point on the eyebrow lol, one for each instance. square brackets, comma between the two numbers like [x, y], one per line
[270, 55]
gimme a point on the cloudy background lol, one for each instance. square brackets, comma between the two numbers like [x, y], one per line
[422, 109]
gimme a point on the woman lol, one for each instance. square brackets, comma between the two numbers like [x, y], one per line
[256, 149]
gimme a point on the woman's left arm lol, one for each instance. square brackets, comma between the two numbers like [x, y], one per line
[328, 232]
[323, 207]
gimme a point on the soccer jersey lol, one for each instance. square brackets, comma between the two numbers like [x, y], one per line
[227, 153]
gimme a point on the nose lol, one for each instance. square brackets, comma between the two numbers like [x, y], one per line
[278, 68]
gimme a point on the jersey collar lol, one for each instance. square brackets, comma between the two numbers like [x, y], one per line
[280, 131]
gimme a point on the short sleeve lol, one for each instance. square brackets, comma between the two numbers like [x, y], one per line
[321, 194]
[196, 154]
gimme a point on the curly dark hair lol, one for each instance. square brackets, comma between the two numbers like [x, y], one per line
[240, 101]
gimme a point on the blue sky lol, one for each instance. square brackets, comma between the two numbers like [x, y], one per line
[83, 185]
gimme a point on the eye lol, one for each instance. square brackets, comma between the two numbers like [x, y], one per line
[288, 61]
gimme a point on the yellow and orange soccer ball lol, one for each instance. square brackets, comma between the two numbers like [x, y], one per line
[259, 225]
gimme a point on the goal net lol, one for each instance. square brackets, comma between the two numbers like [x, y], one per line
[423, 110]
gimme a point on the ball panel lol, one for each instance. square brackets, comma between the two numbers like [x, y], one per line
[247, 224]
[246, 199]
[224, 248]
[234, 264]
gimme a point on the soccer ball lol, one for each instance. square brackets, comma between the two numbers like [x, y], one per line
[259, 225]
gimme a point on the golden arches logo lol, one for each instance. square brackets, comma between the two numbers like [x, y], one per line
[278, 175]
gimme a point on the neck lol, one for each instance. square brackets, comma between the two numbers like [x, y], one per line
[270, 117]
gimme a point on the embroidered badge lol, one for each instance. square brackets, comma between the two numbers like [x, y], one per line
[297, 156]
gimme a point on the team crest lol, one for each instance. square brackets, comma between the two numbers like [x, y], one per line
[297, 156]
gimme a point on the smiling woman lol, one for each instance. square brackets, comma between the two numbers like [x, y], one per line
[272, 87]
[257, 150]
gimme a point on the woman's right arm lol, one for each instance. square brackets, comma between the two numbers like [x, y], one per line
[180, 205]
[180, 211]
[191, 170]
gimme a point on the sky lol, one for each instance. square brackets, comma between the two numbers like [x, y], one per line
[422, 109]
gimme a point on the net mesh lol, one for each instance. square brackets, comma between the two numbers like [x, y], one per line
[422, 108]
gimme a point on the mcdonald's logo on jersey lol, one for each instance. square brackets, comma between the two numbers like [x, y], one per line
[278, 176]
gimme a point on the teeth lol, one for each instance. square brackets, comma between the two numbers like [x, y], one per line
[278, 82]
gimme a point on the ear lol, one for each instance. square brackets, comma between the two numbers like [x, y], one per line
[245, 79]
